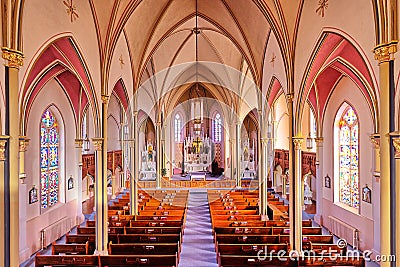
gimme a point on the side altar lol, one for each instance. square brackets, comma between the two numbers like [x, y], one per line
[148, 165]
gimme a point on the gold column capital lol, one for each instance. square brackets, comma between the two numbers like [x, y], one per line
[98, 143]
[105, 99]
[78, 143]
[297, 140]
[3, 144]
[15, 58]
[396, 143]
[319, 139]
[375, 140]
[385, 52]
[289, 96]
[23, 143]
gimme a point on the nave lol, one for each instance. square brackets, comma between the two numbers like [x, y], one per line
[234, 236]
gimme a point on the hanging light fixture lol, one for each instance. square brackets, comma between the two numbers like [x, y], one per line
[86, 144]
[309, 142]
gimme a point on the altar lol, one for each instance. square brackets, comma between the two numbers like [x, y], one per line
[197, 154]
[148, 164]
[198, 176]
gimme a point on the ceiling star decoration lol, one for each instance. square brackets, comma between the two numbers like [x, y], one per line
[121, 61]
[71, 10]
[272, 61]
[322, 5]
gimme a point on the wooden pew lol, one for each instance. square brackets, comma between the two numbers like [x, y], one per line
[151, 238]
[252, 249]
[66, 260]
[79, 249]
[139, 260]
[143, 248]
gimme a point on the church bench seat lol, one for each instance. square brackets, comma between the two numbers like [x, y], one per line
[236, 217]
[234, 212]
[265, 230]
[332, 261]
[162, 212]
[227, 223]
[248, 239]
[157, 223]
[132, 230]
[80, 249]
[251, 249]
[328, 249]
[250, 260]
[243, 260]
[66, 260]
[139, 260]
[153, 230]
[144, 248]
[151, 238]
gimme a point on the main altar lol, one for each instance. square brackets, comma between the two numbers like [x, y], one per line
[197, 154]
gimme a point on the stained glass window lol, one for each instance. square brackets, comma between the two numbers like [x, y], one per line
[348, 158]
[217, 128]
[178, 127]
[49, 151]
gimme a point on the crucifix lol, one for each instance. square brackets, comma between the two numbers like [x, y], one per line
[196, 143]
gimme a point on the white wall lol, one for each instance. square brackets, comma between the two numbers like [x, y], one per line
[67, 205]
[346, 90]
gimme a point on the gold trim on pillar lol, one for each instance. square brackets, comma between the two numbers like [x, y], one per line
[98, 143]
[3, 143]
[396, 143]
[385, 52]
[78, 143]
[15, 58]
[319, 140]
[105, 99]
[375, 140]
[23, 143]
[297, 141]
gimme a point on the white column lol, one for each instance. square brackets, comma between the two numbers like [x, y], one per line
[319, 179]
[237, 158]
[100, 199]
[296, 198]
[158, 155]
[78, 180]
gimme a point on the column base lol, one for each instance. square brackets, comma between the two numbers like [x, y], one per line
[264, 218]
[24, 254]
[101, 253]
[318, 218]
[80, 219]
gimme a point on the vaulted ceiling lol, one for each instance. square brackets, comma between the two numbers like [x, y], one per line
[160, 32]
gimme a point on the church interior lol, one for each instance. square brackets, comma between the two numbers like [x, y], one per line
[199, 133]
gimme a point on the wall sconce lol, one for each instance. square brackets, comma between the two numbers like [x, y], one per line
[86, 143]
[309, 142]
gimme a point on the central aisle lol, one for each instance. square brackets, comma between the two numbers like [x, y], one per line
[197, 247]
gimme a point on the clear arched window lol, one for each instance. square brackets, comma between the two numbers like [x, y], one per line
[178, 128]
[217, 128]
[49, 158]
[348, 158]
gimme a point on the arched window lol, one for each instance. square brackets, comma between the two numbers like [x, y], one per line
[217, 128]
[49, 156]
[348, 158]
[178, 128]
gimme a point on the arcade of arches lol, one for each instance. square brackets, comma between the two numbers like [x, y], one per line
[296, 98]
